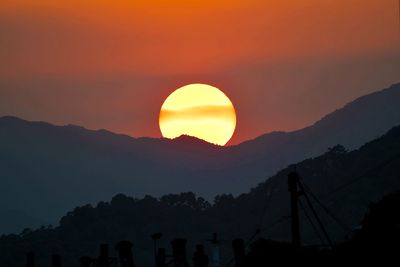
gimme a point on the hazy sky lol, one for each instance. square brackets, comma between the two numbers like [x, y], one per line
[110, 64]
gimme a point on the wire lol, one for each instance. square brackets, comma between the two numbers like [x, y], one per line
[333, 216]
[273, 224]
[362, 176]
[343, 225]
[311, 222]
[267, 201]
[258, 231]
[314, 212]
[340, 223]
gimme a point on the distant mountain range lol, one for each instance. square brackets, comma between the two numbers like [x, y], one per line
[343, 185]
[45, 169]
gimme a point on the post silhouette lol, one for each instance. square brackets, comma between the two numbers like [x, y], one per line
[215, 257]
[30, 259]
[179, 252]
[155, 238]
[293, 180]
[85, 261]
[55, 260]
[103, 260]
[125, 253]
[200, 259]
[161, 258]
[238, 251]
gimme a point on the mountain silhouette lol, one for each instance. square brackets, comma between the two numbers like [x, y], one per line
[345, 183]
[13, 221]
[47, 169]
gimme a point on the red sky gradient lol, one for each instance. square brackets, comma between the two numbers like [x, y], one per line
[110, 64]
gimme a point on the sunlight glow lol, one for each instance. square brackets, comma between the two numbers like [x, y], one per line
[198, 110]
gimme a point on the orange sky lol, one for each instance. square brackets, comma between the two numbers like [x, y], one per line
[110, 64]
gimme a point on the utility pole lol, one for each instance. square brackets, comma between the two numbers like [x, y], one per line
[296, 189]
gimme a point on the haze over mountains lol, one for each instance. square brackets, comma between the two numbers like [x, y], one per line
[46, 169]
[345, 182]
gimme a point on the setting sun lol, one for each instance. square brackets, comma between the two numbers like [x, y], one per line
[198, 110]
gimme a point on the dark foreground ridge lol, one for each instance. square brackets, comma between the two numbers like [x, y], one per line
[376, 239]
[339, 184]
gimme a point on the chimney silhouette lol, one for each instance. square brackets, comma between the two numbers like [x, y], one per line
[125, 253]
[238, 251]
[161, 258]
[179, 252]
[85, 261]
[215, 257]
[55, 260]
[103, 260]
[30, 259]
[155, 237]
[200, 259]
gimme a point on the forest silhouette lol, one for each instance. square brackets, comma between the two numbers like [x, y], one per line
[342, 185]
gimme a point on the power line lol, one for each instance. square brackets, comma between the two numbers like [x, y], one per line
[267, 200]
[331, 214]
[357, 179]
[321, 225]
[362, 176]
[305, 189]
[258, 231]
[311, 222]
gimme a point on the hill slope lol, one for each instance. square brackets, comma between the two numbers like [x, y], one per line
[345, 182]
[47, 169]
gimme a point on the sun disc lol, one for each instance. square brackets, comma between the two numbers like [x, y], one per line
[199, 110]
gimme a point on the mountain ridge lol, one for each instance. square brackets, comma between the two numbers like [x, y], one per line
[346, 182]
[64, 166]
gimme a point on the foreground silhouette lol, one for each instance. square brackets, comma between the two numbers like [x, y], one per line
[346, 182]
[376, 239]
